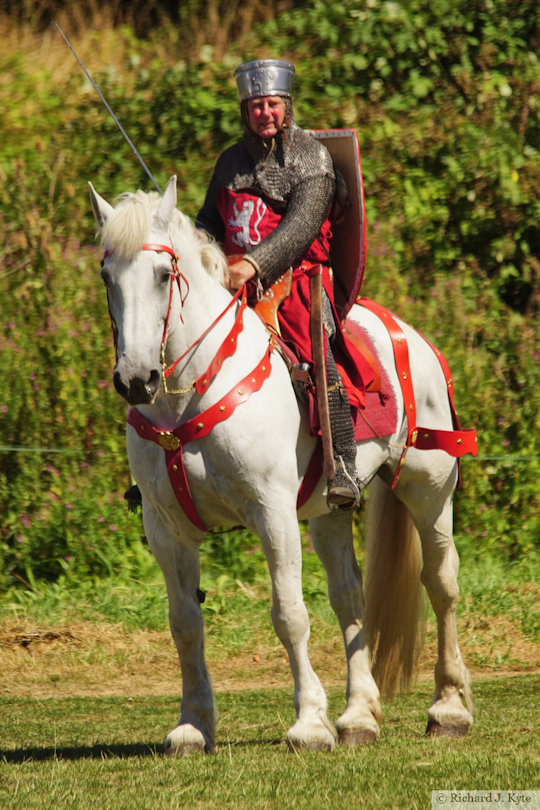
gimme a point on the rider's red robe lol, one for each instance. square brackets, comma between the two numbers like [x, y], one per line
[249, 219]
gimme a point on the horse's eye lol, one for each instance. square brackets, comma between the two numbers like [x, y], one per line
[106, 277]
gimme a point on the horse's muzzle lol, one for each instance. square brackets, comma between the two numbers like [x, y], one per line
[135, 390]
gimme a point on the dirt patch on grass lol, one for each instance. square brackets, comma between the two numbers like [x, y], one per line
[86, 659]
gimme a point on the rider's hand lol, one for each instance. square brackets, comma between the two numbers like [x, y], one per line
[239, 272]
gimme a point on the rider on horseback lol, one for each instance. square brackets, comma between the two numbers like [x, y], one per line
[269, 200]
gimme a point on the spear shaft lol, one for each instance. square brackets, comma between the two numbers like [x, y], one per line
[117, 122]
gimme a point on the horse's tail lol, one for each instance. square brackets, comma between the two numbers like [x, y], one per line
[394, 603]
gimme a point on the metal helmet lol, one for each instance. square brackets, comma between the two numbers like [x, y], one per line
[264, 77]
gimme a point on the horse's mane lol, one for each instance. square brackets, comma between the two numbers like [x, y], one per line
[127, 229]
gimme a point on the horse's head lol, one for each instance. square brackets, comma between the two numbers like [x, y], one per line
[141, 236]
[138, 285]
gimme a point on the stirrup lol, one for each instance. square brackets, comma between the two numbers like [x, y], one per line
[344, 493]
[133, 497]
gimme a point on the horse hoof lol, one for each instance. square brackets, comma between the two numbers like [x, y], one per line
[356, 736]
[316, 745]
[184, 740]
[183, 750]
[435, 729]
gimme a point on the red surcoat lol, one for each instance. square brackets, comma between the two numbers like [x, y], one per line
[248, 219]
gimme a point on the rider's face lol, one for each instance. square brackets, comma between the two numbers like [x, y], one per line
[266, 115]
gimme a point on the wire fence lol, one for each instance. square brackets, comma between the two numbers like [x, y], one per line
[16, 448]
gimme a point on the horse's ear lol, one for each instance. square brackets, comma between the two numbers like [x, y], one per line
[101, 208]
[167, 205]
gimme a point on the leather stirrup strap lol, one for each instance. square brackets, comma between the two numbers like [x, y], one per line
[319, 370]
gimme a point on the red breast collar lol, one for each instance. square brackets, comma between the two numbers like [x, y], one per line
[196, 428]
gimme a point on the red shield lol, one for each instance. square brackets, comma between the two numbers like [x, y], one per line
[348, 246]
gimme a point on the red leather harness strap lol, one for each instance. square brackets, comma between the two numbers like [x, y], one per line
[227, 348]
[199, 426]
[456, 442]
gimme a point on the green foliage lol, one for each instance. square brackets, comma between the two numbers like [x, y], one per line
[443, 95]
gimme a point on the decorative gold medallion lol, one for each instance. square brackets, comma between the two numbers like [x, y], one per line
[169, 441]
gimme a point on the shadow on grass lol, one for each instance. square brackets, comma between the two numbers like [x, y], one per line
[102, 751]
[20, 755]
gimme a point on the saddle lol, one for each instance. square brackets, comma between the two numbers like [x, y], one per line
[267, 308]
[457, 442]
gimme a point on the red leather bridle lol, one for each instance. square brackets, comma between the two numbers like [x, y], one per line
[227, 347]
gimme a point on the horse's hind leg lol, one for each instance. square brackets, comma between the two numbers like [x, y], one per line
[447, 715]
[332, 539]
[312, 729]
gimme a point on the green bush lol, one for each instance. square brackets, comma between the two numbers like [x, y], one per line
[443, 97]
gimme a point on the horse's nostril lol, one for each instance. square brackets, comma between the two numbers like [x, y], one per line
[135, 390]
[120, 386]
[153, 383]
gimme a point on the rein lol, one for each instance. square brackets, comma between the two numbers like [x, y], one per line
[226, 349]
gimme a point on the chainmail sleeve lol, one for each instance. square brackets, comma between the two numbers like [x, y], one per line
[294, 174]
[307, 208]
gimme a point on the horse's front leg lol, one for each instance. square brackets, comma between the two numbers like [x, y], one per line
[180, 565]
[333, 541]
[281, 542]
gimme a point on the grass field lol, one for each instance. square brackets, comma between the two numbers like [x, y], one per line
[89, 687]
[104, 752]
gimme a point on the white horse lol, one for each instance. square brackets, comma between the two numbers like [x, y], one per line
[165, 288]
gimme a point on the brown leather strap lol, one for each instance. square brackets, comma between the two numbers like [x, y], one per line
[319, 370]
[274, 295]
